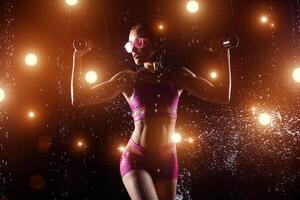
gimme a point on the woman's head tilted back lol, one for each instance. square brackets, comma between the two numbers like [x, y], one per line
[141, 44]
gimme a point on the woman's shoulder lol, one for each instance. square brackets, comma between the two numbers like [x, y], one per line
[178, 75]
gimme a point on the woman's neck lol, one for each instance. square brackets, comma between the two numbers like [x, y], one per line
[150, 66]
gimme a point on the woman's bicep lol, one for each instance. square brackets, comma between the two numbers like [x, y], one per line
[110, 89]
[105, 91]
[197, 86]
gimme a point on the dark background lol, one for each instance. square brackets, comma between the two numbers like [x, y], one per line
[233, 157]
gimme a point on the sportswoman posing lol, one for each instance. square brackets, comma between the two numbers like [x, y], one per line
[149, 166]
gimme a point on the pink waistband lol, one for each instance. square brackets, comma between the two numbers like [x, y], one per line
[145, 151]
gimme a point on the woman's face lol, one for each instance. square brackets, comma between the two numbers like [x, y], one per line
[144, 54]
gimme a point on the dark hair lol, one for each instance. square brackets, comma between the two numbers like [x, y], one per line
[157, 41]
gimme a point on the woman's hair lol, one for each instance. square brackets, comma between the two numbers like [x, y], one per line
[157, 41]
[146, 31]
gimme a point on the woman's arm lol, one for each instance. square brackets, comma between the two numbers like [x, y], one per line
[201, 88]
[99, 93]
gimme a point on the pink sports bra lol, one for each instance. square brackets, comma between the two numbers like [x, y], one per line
[154, 99]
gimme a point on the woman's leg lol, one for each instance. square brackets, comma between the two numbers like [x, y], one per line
[139, 185]
[166, 188]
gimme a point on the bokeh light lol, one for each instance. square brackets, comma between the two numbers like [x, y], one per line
[31, 114]
[121, 148]
[37, 182]
[44, 143]
[190, 140]
[264, 19]
[2, 95]
[213, 75]
[91, 77]
[264, 119]
[176, 137]
[31, 59]
[71, 2]
[192, 6]
[79, 143]
[296, 75]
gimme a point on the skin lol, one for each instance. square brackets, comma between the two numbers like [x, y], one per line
[150, 133]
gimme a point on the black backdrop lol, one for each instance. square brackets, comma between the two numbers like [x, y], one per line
[232, 157]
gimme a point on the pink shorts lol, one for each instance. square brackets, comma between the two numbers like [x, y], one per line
[162, 164]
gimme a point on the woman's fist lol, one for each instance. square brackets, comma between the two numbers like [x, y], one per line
[83, 46]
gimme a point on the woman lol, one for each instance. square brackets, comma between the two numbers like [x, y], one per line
[148, 166]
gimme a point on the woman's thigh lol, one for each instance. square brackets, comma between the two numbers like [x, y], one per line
[139, 185]
[166, 188]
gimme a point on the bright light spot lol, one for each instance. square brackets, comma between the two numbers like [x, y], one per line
[253, 109]
[190, 140]
[80, 143]
[264, 19]
[176, 137]
[264, 119]
[213, 75]
[2, 94]
[31, 114]
[121, 148]
[31, 59]
[71, 2]
[192, 6]
[91, 77]
[161, 27]
[296, 75]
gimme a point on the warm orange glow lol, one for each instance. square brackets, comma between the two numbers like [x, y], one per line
[121, 148]
[2, 95]
[79, 143]
[213, 75]
[176, 137]
[31, 114]
[190, 140]
[161, 27]
[264, 119]
[296, 75]
[37, 182]
[31, 59]
[91, 77]
[192, 6]
[264, 19]
[253, 109]
[44, 144]
[71, 2]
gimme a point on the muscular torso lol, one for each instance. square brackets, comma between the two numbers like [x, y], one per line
[152, 133]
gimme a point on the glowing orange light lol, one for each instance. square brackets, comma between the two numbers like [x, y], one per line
[160, 26]
[264, 19]
[121, 148]
[190, 140]
[37, 182]
[91, 77]
[296, 75]
[31, 114]
[71, 2]
[192, 6]
[213, 75]
[31, 59]
[176, 137]
[253, 109]
[2, 95]
[44, 143]
[79, 143]
[264, 119]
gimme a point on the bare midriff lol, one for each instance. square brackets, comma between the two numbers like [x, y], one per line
[153, 133]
